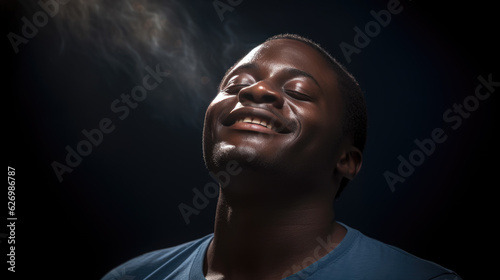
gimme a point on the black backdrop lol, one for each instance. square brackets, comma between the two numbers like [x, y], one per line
[122, 199]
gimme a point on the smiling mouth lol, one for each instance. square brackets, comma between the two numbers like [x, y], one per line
[255, 120]
[258, 120]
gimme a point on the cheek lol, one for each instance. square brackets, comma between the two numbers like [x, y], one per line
[216, 108]
[314, 120]
[320, 131]
[220, 98]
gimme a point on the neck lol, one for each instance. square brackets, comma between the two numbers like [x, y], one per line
[269, 234]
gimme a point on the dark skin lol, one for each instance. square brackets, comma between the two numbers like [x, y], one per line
[270, 215]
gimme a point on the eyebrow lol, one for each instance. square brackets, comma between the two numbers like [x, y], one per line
[245, 66]
[297, 72]
[287, 70]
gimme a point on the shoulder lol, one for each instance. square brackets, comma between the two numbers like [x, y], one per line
[391, 262]
[178, 258]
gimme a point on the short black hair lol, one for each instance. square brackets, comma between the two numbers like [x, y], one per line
[354, 121]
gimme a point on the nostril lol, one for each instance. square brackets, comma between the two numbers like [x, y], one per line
[268, 98]
[244, 95]
[261, 92]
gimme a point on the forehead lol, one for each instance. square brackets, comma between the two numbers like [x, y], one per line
[287, 53]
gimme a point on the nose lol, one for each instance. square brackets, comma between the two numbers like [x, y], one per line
[261, 92]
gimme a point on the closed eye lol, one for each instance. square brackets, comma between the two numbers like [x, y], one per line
[298, 95]
[235, 88]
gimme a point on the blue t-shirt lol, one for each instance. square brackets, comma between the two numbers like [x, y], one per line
[356, 257]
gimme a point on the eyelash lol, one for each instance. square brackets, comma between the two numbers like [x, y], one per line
[235, 89]
[298, 95]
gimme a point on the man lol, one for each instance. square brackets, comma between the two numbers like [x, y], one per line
[294, 121]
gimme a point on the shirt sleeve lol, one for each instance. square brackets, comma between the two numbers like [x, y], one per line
[447, 276]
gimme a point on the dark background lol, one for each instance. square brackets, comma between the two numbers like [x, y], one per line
[122, 199]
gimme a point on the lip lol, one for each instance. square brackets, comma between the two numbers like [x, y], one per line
[252, 127]
[271, 122]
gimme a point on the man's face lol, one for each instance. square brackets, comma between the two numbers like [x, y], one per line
[278, 110]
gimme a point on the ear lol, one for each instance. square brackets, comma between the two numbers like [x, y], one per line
[349, 163]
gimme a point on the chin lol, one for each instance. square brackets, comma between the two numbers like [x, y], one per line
[247, 157]
[224, 152]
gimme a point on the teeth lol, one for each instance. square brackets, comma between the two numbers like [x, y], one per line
[255, 121]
